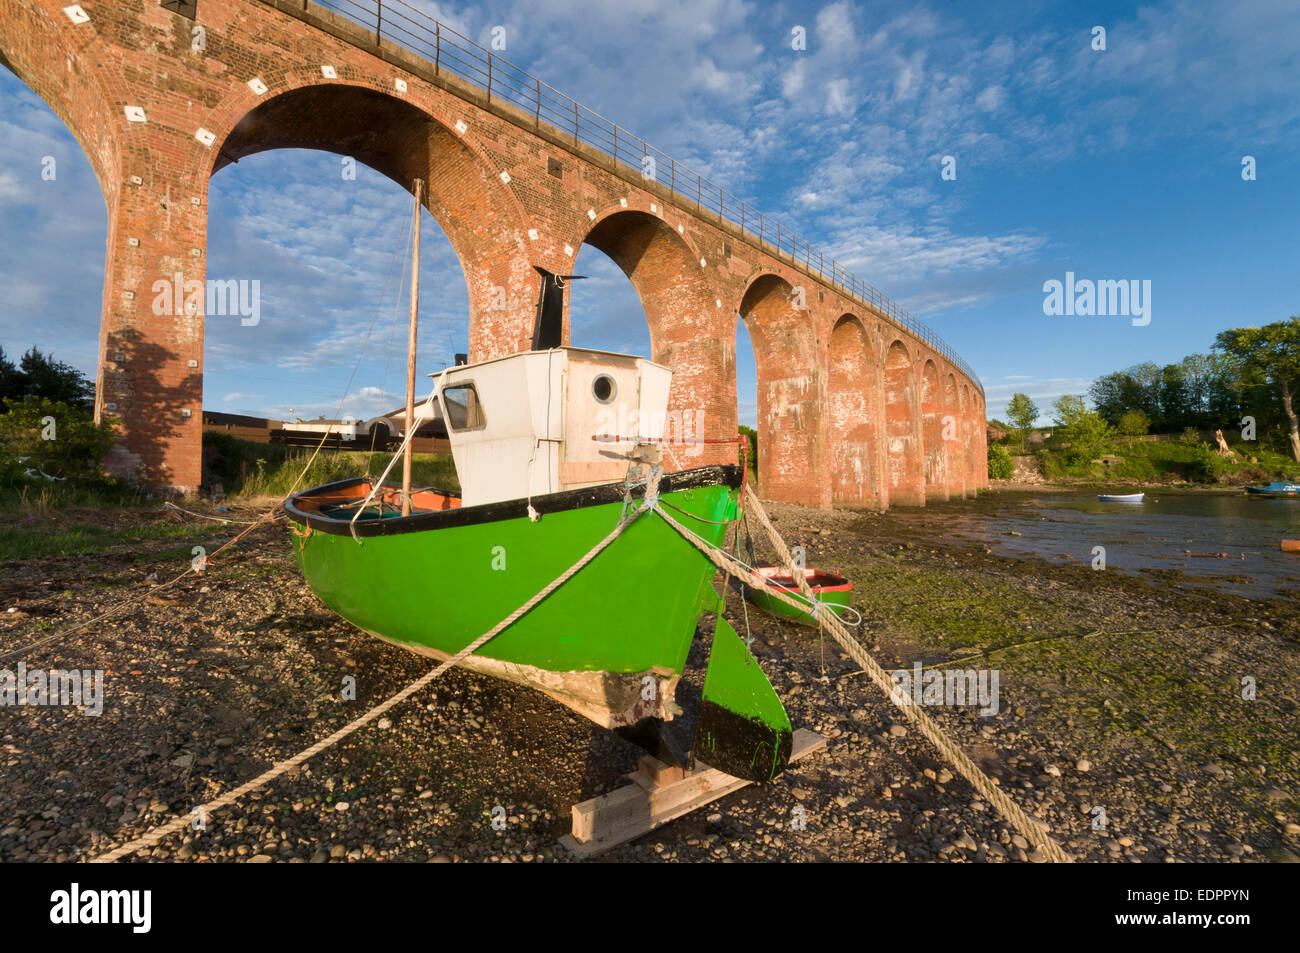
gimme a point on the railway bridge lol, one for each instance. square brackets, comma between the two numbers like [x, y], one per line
[858, 402]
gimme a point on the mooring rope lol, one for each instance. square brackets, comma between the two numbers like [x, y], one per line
[157, 834]
[1033, 831]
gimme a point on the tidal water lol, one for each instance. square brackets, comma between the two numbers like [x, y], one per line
[1226, 541]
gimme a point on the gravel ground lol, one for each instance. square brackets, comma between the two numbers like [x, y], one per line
[1119, 695]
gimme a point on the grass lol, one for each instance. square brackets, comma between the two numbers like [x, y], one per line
[63, 519]
[41, 499]
[1174, 461]
[70, 535]
[251, 469]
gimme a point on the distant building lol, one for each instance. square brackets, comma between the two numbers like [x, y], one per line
[429, 422]
[382, 432]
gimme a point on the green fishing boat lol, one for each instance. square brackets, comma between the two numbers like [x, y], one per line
[546, 474]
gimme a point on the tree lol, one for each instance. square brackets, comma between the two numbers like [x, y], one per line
[1269, 354]
[12, 382]
[1023, 413]
[1085, 430]
[53, 380]
[1134, 389]
[1174, 409]
[1145, 392]
[1134, 423]
[1110, 395]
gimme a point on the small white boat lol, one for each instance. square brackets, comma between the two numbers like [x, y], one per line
[1123, 498]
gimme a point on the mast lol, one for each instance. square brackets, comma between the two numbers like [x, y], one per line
[410, 351]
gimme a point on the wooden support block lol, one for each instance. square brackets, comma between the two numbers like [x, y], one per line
[656, 773]
[660, 793]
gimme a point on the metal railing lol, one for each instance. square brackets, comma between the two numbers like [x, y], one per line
[500, 80]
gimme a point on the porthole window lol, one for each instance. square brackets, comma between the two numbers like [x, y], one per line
[603, 388]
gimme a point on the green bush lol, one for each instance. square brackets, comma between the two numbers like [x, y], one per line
[1205, 464]
[1001, 466]
[37, 433]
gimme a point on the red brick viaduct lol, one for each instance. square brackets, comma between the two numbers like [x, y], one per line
[857, 404]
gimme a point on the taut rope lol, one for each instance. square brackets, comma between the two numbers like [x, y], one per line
[153, 837]
[1033, 831]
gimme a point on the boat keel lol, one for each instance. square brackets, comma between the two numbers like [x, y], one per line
[743, 728]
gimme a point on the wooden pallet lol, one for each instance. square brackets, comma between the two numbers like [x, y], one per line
[659, 793]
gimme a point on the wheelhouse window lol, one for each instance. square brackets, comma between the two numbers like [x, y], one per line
[462, 408]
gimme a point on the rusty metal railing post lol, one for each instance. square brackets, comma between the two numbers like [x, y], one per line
[437, 48]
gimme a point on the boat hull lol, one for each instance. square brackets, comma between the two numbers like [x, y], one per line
[1276, 491]
[610, 643]
[829, 589]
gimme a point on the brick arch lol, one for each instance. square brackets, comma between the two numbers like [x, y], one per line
[548, 183]
[852, 408]
[687, 329]
[954, 454]
[904, 461]
[936, 461]
[56, 59]
[397, 138]
[788, 366]
[41, 47]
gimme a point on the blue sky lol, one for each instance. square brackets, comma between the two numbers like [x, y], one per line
[1116, 164]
